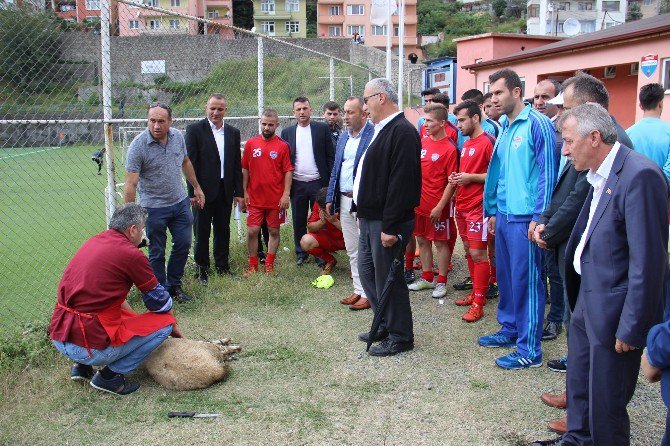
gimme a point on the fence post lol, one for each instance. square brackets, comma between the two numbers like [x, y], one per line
[332, 79]
[106, 79]
[261, 86]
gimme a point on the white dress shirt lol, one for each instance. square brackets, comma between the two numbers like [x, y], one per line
[597, 179]
[378, 128]
[220, 142]
[305, 164]
[347, 170]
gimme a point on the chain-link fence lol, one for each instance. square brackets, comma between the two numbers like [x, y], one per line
[74, 93]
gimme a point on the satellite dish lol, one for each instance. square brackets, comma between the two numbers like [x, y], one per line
[572, 27]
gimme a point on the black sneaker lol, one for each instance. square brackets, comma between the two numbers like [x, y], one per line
[558, 365]
[81, 372]
[380, 336]
[551, 330]
[464, 285]
[178, 294]
[410, 277]
[492, 292]
[117, 385]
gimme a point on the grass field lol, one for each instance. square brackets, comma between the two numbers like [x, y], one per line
[303, 379]
[51, 201]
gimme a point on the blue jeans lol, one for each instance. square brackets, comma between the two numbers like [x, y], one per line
[178, 218]
[555, 291]
[122, 359]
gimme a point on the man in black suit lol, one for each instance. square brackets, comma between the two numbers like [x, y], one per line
[214, 149]
[615, 272]
[312, 156]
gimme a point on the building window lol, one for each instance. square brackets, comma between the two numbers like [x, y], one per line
[533, 11]
[665, 75]
[378, 30]
[611, 6]
[154, 24]
[292, 5]
[151, 2]
[268, 6]
[174, 24]
[647, 2]
[93, 5]
[396, 31]
[334, 10]
[134, 24]
[563, 6]
[334, 31]
[355, 9]
[213, 14]
[360, 29]
[585, 6]
[292, 27]
[609, 24]
[268, 28]
[587, 26]
[175, 3]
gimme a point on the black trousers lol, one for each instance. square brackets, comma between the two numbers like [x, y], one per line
[374, 262]
[600, 384]
[217, 215]
[303, 196]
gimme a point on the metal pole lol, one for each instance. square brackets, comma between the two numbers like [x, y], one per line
[106, 79]
[332, 79]
[351, 85]
[401, 50]
[261, 86]
[388, 39]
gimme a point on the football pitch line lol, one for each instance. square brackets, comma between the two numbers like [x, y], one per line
[29, 153]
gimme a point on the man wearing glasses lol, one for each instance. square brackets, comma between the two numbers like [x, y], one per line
[154, 165]
[387, 188]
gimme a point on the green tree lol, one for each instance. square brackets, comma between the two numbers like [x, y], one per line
[499, 7]
[663, 6]
[243, 13]
[29, 47]
[634, 12]
[311, 18]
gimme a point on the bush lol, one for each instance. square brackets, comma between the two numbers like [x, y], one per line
[32, 347]
[161, 79]
[29, 51]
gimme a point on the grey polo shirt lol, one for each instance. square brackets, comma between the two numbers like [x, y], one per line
[160, 184]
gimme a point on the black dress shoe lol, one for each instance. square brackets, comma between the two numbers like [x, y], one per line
[555, 442]
[387, 347]
[178, 294]
[551, 331]
[380, 336]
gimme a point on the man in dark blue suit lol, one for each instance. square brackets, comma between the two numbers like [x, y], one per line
[616, 265]
[350, 146]
[312, 156]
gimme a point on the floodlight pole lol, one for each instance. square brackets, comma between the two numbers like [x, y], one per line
[261, 86]
[106, 79]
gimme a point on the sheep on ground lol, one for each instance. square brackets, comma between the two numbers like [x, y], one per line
[186, 364]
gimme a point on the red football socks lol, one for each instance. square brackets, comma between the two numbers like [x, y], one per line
[480, 281]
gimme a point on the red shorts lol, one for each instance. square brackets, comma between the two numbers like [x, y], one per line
[473, 227]
[440, 231]
[273, 217]
[327, 242]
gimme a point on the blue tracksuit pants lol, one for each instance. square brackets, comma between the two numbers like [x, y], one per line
[522, 295]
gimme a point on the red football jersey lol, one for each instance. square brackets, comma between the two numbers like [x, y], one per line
[449, 128]
[475, 158]
[267, 162]
[330, 230]
[438, 160]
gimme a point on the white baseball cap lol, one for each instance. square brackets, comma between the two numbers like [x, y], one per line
[558, 100]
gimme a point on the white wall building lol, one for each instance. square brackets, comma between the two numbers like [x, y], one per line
[548, 17]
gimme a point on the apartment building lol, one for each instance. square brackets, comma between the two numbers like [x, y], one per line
[548, 17]
[134, 21]
[77, 11]
[281, 18]
[345, 18]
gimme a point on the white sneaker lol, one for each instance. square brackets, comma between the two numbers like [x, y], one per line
[440, 291]
[421, 284]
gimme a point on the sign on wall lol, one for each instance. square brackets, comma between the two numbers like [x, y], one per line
[153, 67]
[648, 65]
